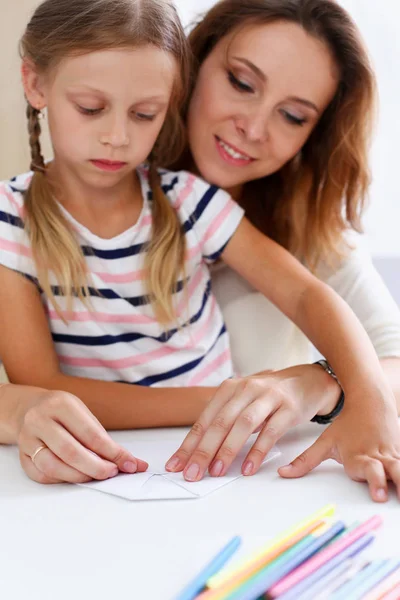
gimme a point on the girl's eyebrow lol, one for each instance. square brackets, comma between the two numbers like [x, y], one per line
[86, 88]
[261, 75]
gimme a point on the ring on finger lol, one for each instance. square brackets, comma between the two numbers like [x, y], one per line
[39, 449]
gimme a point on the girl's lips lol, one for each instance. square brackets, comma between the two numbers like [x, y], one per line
[108, 165]
[237, 162]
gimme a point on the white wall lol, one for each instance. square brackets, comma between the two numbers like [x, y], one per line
[379, 22]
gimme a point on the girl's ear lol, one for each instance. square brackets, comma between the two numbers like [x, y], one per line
[33, 84]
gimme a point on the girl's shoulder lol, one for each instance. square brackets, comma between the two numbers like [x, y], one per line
[186, 190]
[12, 194]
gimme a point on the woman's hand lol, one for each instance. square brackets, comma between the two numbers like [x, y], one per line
[77, 448]
[366, 443]
[270, 403]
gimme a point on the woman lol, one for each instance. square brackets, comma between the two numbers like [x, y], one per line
[279, 115]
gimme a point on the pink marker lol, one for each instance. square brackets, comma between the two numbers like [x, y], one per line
[323, 557]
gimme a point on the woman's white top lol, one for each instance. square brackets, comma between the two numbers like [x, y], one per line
[263, 338]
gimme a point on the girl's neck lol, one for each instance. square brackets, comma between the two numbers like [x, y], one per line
[106, 212]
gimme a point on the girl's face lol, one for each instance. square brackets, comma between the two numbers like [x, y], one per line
[105, 110]
[258, 96]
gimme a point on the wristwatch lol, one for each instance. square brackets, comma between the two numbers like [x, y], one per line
[326, 419]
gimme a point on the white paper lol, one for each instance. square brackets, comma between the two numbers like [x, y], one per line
[158, 484]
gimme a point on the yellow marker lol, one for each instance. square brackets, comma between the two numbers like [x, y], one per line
[274, 548]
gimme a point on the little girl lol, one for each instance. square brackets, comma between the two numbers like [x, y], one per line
[113, 250]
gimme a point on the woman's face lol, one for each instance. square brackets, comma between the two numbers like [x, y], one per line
[258, 96]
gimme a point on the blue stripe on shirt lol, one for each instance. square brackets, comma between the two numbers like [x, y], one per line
[107, 340]
[114, 254]
[11, 219]
[200, 208]
[152, 379]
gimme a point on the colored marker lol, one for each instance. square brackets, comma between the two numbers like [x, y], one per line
[366, 580]
[277, 543]
[322, 557]
[270, 575]
[300, 588]
[385, 586]
[199, 582]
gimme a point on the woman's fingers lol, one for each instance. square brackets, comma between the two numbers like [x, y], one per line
[46, 467]
[228, 432]
[275, 427]
[70, 452]
[223, 395]
[78, 439]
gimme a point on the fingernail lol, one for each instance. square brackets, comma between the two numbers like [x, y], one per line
[172, 464]
[114, 471]
[288, 467]
[217, 468]
[248, 468]
[192, 472]
[129, 467]
[381, 494]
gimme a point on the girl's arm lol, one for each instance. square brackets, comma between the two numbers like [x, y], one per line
[29, 357]
[314, 307]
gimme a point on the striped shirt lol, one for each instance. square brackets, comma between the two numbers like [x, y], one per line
[118, 338]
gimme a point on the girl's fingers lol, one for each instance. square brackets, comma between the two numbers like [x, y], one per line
[309, 459]
[374, 474]
[392, 467]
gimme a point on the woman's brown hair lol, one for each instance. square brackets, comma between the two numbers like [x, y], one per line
[60, 28]
[309, 203]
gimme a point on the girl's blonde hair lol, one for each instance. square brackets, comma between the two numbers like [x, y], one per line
[60, 28]
[309, 203]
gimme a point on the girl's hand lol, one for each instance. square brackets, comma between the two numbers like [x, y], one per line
[366, 442]
[77, 448]
[269, 403]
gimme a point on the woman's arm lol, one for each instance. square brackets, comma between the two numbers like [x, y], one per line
[28, 354]
[319, 312]
[357, 281]
[59, 439]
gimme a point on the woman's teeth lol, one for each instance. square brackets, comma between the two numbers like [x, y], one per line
[232, 152]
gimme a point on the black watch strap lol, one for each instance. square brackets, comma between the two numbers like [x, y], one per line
[326, 419]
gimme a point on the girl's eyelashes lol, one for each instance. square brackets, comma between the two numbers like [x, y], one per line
[239, 85]
[292, 119]
[89, 111]
[95, 111]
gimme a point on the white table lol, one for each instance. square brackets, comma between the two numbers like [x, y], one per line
[65, 542]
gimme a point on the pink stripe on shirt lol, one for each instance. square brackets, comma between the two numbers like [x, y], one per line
[143, 358]
[187, 190]
[15, 248]
[98, 317]
[122, 277]
[215, 364]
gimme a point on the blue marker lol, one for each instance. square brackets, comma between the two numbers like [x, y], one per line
[199, 582]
